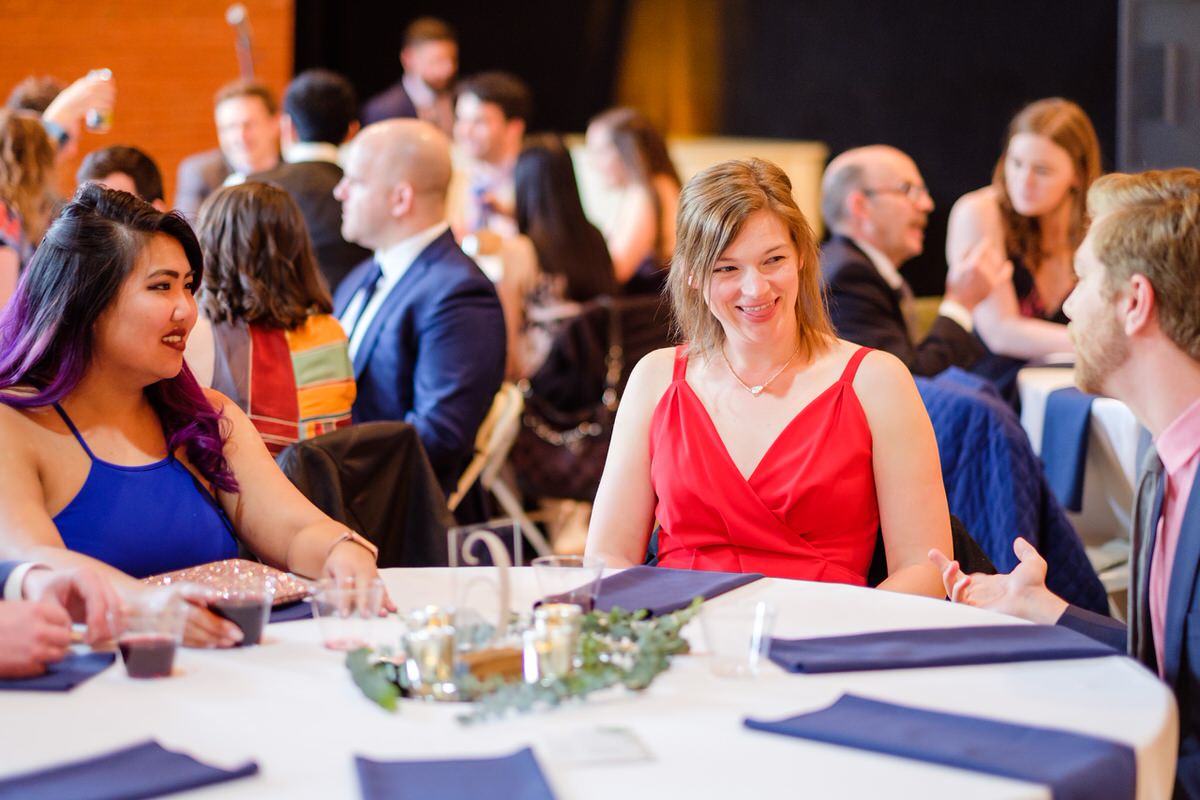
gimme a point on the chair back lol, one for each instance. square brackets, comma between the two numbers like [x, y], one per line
[375, 478]
[493, 441]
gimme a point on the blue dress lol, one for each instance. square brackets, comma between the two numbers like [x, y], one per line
[144, 520]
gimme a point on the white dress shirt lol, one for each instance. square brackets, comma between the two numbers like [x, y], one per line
[393, 262]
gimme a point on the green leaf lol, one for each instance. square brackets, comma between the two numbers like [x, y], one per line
[373, 678]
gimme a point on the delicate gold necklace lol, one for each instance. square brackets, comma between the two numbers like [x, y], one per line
[758, 389]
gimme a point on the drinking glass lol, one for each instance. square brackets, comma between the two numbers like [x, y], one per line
[569, 579]
[150, 632]
[348, 612]
[737, 636]
[244, 599]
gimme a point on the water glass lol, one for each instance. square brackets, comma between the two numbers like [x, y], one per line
[569, 579]
[348, 612]
[737, 636]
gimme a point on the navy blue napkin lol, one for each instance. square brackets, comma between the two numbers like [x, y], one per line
[301, 609]
[1064, 444]
[514, 777]
[661, 591]
[1075, 766]
[63, 676]
[935, 647]
[143, 770]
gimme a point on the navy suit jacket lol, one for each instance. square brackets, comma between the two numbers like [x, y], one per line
[865, 310]
[1181, 650]
[391, 102]
[6, 568]
[434, 354]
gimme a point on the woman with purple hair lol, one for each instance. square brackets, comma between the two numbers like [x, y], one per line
[116, 458]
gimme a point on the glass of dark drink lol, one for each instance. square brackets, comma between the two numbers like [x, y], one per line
[573, 580]
[150, 632]
[245, 599]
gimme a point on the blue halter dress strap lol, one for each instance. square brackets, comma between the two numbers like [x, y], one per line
[146, 519]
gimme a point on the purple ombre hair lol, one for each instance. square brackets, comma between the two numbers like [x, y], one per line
[47, 330]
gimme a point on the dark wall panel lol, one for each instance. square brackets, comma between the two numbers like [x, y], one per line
[937, 78]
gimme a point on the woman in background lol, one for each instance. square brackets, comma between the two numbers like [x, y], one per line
[1033, 214]
[280, 355]
[26, 192]
[559, 261]
[632, 157]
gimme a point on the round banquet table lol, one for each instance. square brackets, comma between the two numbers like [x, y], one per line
[292, 707]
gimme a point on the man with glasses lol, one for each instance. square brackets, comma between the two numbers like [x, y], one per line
[876, 207]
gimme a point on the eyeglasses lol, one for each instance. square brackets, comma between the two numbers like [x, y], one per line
[915, 192]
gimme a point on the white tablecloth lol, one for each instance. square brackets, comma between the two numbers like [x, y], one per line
[1110, 470]
[292, 707]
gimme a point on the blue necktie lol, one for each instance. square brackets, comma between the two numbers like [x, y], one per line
[368, 292]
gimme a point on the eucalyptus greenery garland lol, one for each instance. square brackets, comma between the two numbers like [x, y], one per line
[617, 647]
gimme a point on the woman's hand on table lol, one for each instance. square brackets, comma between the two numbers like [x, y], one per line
[351, 564]
[1021, 593]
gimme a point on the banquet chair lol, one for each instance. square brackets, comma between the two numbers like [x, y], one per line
[995, 484]
[492, 444]
[375, 478]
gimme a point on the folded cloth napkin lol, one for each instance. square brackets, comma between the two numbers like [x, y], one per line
[661, 591]
[514, 777]
[63, 676]
[1064, 444]
[935, 647]
[143, 770]
[291, 612]
[1075, 766]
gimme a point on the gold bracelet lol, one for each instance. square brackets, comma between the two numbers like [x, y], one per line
[351, 536]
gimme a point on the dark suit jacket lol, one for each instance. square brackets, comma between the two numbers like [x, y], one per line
[434, 354]
[865, 310]
[6, 568]
[1181, 650]
[199, 176]
[391, 102]
[310, 183]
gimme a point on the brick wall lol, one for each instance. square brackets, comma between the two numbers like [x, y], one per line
[168, 57]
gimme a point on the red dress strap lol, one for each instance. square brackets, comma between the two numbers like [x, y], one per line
[681, 358]
[852, 365]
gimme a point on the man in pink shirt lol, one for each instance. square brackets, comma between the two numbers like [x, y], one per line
[1135, 323]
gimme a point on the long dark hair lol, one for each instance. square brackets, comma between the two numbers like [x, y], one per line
[550, 213]
[48, 328]
[260, 260]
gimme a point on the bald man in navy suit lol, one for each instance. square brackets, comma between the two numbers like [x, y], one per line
[425, 325]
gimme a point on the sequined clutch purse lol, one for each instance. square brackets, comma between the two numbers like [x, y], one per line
[222, 574]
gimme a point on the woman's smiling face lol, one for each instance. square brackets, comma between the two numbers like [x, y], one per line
[144, 330]
[755, 282]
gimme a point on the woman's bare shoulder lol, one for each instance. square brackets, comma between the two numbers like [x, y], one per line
[651, 376]
[981, 206]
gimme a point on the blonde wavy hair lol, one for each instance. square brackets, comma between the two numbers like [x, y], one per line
[1068, 126]
[1149, 224]
[27, 170]
[712, 209]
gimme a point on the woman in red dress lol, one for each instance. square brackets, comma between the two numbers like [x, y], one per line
[766, 444]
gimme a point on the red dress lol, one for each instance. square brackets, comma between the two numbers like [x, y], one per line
[808, 510]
